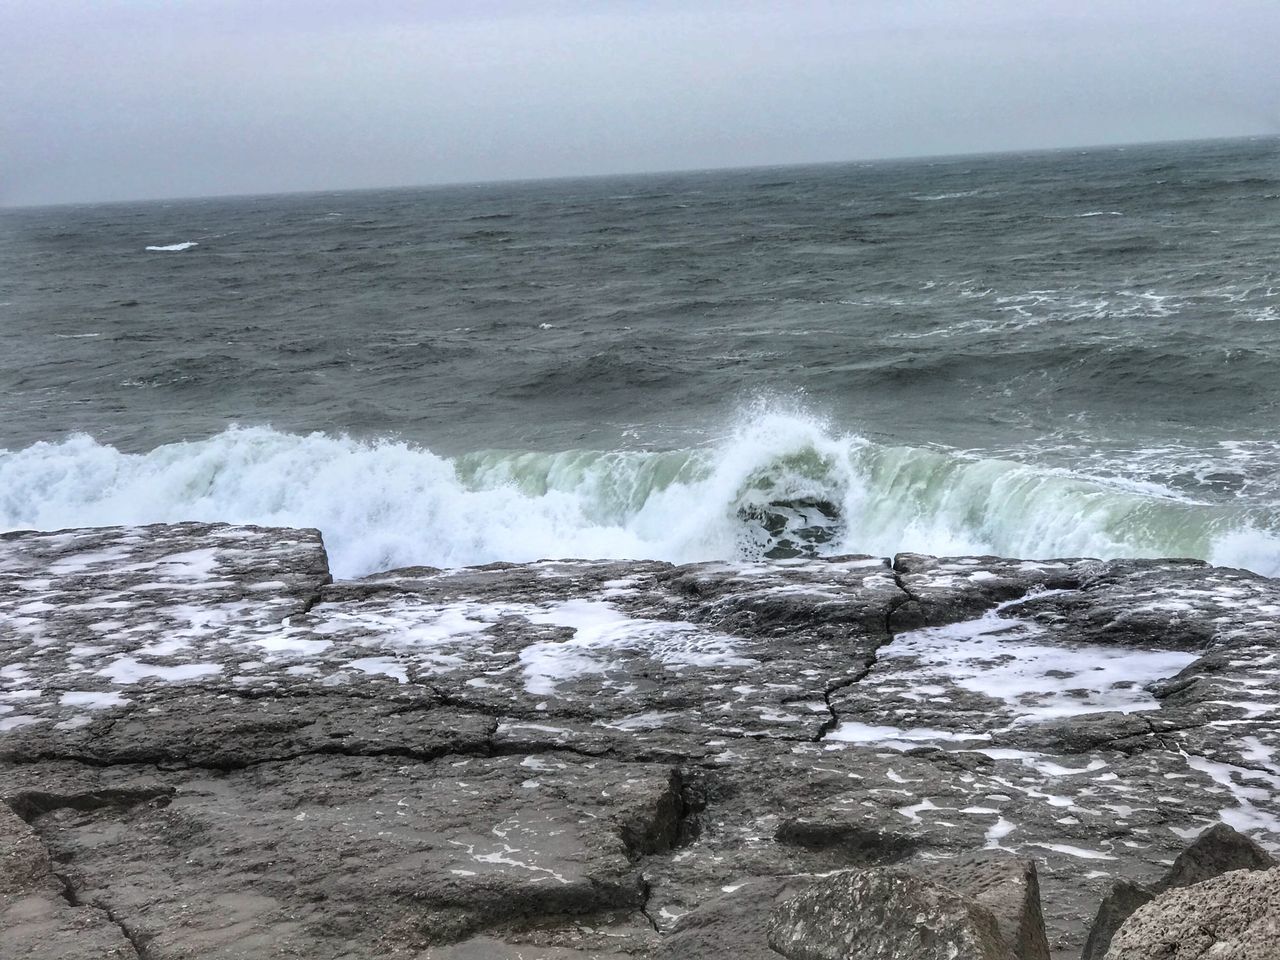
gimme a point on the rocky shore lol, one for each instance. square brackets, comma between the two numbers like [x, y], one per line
[208, 749]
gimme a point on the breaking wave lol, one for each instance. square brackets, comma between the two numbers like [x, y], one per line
[781, 484]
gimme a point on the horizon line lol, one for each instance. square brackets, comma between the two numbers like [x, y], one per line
[673, 171]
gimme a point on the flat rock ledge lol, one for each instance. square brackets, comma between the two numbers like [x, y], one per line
[210, 749]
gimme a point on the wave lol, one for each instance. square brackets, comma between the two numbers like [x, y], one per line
[187, 245]
[781, 484]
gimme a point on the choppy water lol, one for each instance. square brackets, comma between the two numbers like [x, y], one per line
[1068, 353]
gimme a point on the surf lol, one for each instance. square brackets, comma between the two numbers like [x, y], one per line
[778, 484]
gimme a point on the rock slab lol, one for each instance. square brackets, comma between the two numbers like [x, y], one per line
[220, 753]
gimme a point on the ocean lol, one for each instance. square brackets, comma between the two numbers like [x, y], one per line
[1073, 353]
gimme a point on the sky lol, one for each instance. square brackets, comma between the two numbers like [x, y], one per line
[130, 99]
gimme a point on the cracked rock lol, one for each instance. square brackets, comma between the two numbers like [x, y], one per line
[225, 754]
[40, 916]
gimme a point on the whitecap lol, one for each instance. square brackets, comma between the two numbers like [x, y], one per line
[387, 503]
[956, 195]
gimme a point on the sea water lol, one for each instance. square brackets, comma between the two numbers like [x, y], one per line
[1056, 354]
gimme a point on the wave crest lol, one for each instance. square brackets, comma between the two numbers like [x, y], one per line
[781, 484]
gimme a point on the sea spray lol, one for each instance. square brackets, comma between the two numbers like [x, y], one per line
[390, 503]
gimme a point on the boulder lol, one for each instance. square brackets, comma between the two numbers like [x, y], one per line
[1232, 917]
[1005, 885]
[885, 914]
[1117, 906]
[1218, 850]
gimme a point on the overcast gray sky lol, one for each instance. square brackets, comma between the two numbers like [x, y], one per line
[119, 99]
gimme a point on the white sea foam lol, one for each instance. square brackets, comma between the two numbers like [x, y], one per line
[128, 670]
[92, 699]
[896, 738]
[382, 503]
[602, 633]
[1252, 790]
[1000, 658]
[175, 247]
[1081, 853]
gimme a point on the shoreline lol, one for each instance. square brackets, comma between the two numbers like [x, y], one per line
[222, 749]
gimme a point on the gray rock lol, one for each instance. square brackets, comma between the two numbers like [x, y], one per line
[873, 916]
[323, 858]
[735, 924]
[38, 918]
[1218, 850]
[943, 590]
[1005, 885]
[489, 948]
[884, 914]
[1232, 917]
[1117, 906]
[609, 936]
[236, 757]
[24, 862]
[847, 844]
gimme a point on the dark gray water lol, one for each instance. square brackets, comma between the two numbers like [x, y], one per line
[1054, 353]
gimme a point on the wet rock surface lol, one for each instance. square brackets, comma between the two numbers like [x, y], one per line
[39, 912]
[220, 753]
